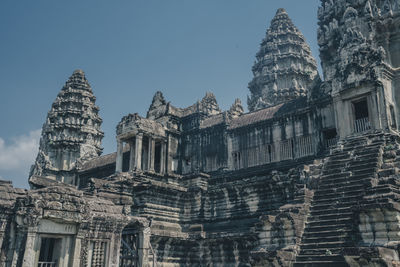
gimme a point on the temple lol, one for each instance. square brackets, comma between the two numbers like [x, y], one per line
[310, 176]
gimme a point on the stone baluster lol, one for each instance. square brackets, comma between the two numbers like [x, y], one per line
[120, 151]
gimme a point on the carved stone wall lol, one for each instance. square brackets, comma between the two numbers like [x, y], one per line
[308, 177]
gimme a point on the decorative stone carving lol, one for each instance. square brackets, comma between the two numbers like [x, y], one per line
[284, 69]
[209, 105]
[157, 107]
[71, 132]
[236, 108]
[276, 186]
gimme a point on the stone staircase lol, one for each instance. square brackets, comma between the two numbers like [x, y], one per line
[347, 174]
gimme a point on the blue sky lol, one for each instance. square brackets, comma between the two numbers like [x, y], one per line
[128, 50]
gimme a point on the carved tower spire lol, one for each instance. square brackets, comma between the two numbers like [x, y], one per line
[284, 67]
[71, 133]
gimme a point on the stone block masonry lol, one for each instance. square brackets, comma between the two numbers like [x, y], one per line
[308, 177]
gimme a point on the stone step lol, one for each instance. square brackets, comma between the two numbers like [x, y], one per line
[363, 142]
[320, 263]
[389, 198]
[349, 153]
[362, 165]
[344, 232]
[341, 156]
[338, 167]
[311, 229]
[319, 251]
[338, 199]
[368, 170]
[339, 194]
[344, 174]
[354, 149]
[340, 181]
[336, 223]
[324, 239]
[330, 211]
[330, 205]
[320, 257]
[345, 158]
[326, 245]
[340, 188]
[383, 189]
[344, 182]
[337, 216]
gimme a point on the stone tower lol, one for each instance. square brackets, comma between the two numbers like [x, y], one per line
[71, 134]
[359, 49]
[284, 67]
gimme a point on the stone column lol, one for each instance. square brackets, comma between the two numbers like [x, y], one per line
[31, 247]
[132, 155]
[19, 237]
[162, 157]
[120, 151]
[152, 153]
[3, 224]
[115, 251]
[76, 256]
[138, 149]
[144, 246]
[149, 153]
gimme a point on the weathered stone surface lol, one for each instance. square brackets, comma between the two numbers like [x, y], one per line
[308, 177]
[284, 67]
[71, 134]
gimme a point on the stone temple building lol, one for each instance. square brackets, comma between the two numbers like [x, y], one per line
[310, 176]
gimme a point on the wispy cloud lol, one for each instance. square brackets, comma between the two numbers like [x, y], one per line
[19, 153]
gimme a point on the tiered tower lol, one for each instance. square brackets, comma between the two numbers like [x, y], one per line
[71, 134]
[284, 67]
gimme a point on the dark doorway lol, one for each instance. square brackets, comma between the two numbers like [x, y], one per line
[330, 137]
[361, 122]
[47, 256]
[393, 117]
[361, 109]
[157, 157]
[129, 256]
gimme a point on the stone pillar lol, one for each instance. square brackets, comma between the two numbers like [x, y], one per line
[152, 153]
[149, 153]
[132, 155]
[162, 157]
[76, 255]
[120, 151]
[31, 247]
[144, 246]
[138, 149]
[115, 250]
[20, 233]
[3, 224]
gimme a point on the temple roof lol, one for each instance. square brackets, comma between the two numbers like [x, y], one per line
[159, 107]
[284, 67]
[72, 126]
[268, 113]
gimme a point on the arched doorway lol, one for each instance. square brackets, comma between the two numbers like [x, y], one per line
[129, 256]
